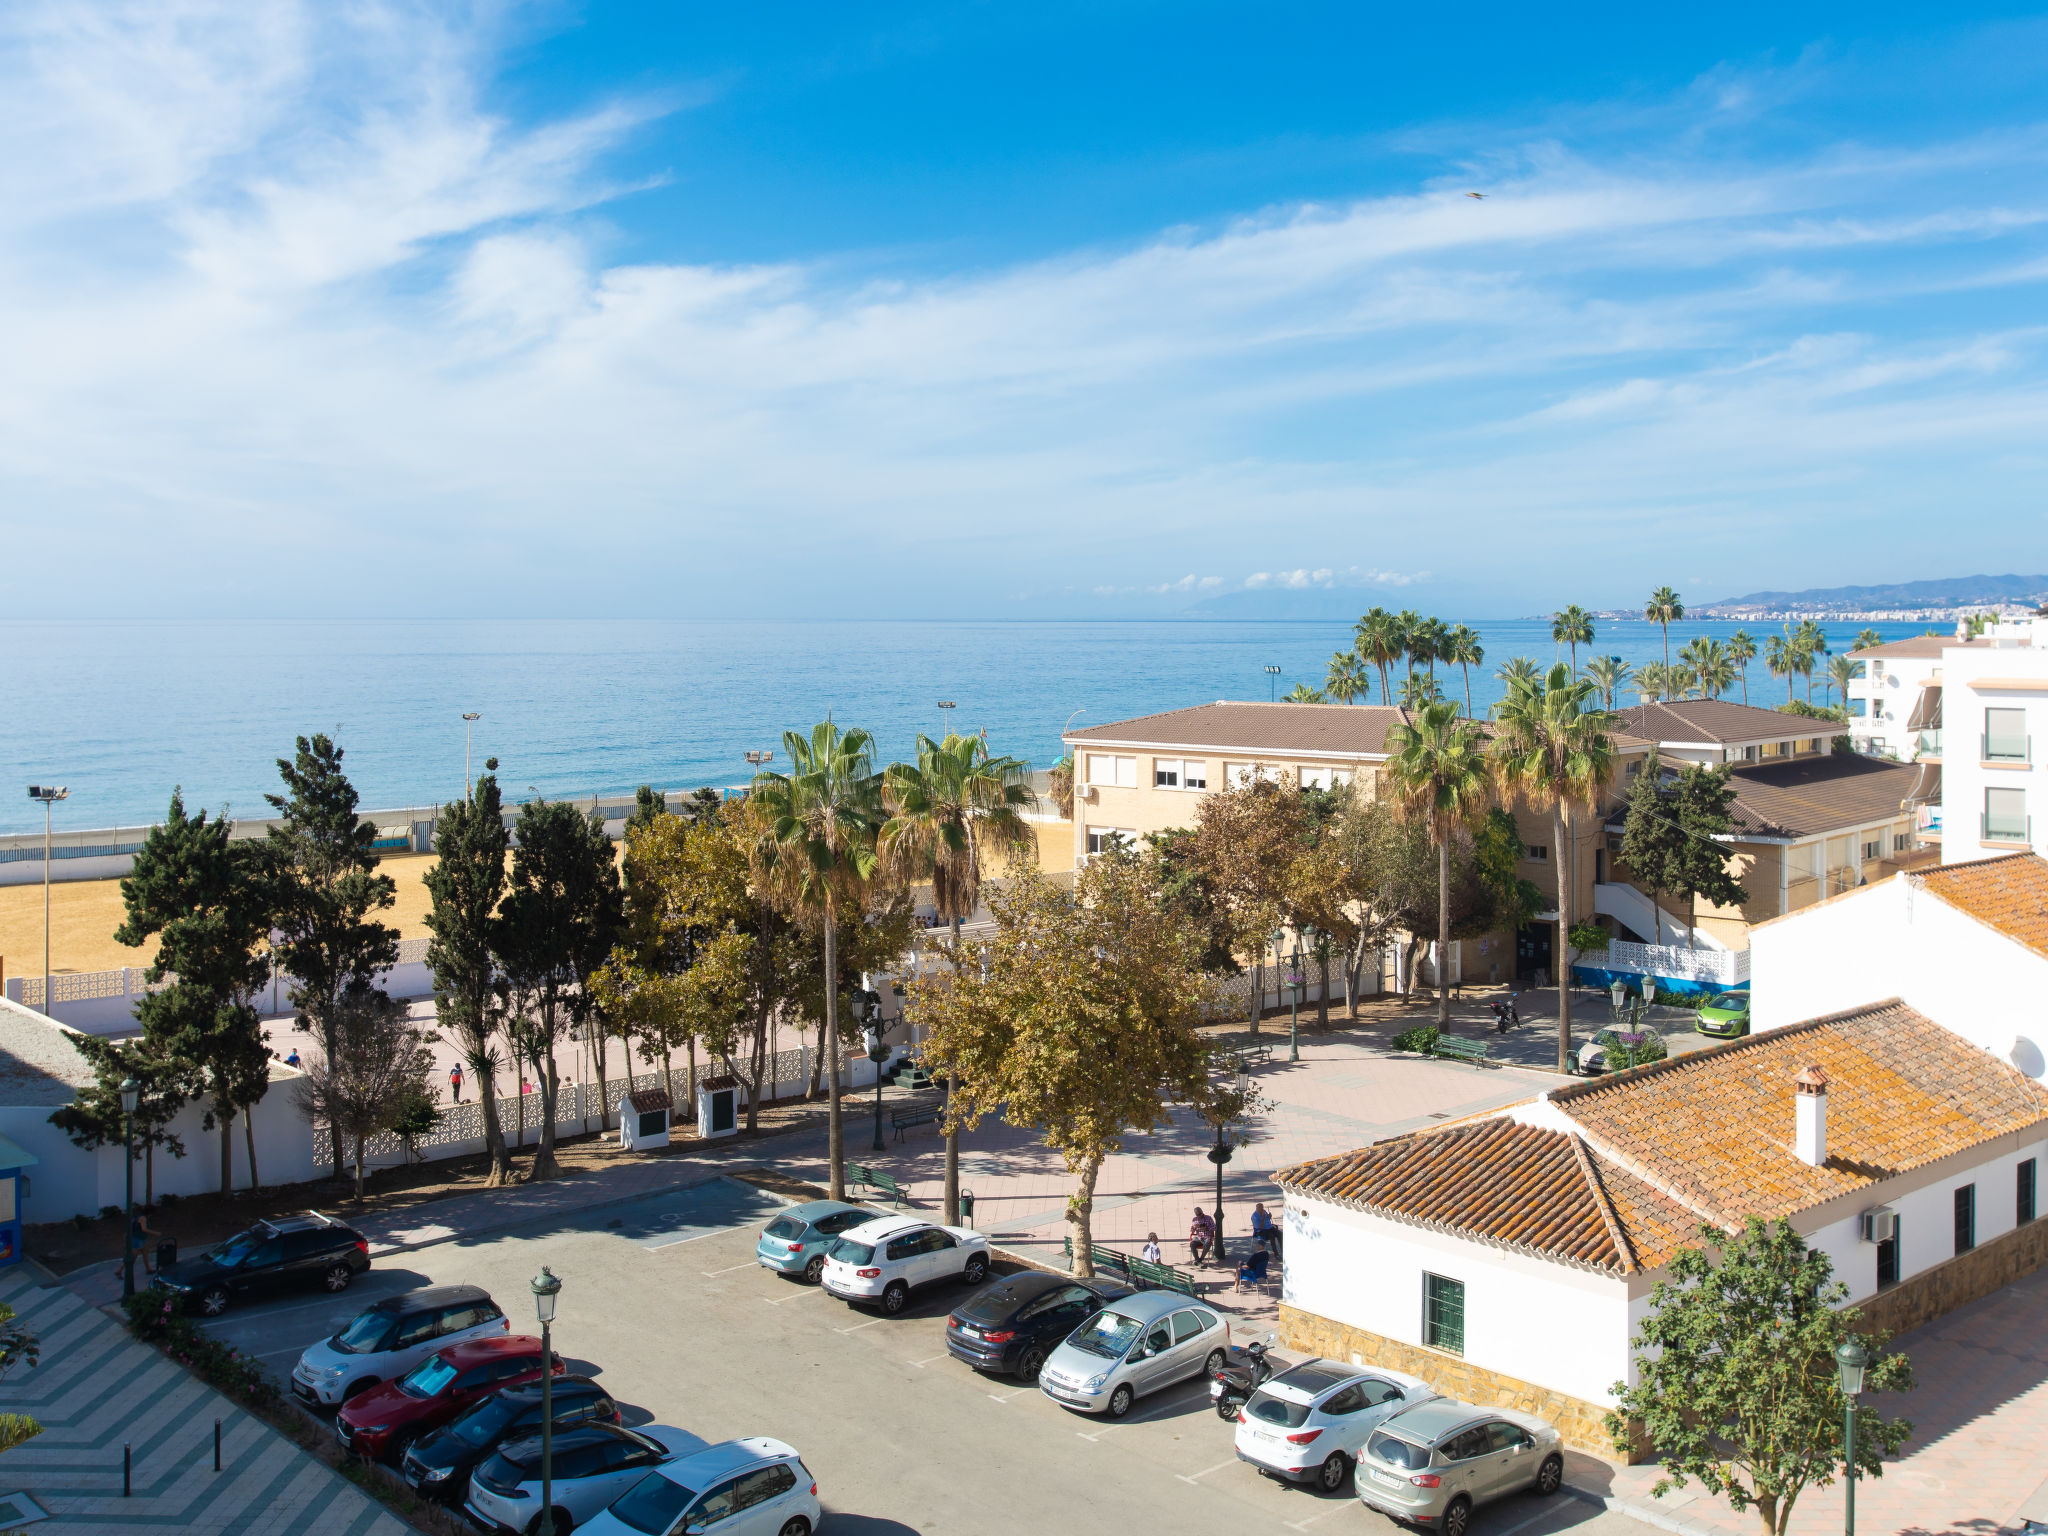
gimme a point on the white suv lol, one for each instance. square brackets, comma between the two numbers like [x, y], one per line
[1309, 1424]
[879, 1263]
[391, 1338]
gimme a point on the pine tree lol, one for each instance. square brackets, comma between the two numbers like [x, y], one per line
[95, 1118]
[1652, 840]
[1701, 800]
[466, 884]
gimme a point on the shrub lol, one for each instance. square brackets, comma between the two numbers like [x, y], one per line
[1421, 1039]
[167, 1201]
[110, 1213]
[1635, 1048]
[153, 1317]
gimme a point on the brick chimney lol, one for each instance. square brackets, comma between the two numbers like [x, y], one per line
[1810, 1117]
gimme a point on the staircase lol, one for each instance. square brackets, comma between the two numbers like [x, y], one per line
[1631, 908]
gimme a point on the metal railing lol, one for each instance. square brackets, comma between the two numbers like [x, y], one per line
[2008, 749]
[1930, 743]
[2005, 829]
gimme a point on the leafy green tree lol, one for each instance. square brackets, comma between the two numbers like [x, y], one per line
[1652, 837]
[1742, 651]
[817, 854]
[648, 803]
[1737, 1381]
[1078, 1019]
[1348, 681]
[1465, 650]
[1439, 772]
[378, 1069]
[207, 901]
[95, 1119]
[1556, 751]
[1247, 838]
[1664, 609]
[556, 926]
[414, 1115]
[1701, 801]
[466, 885]
[1497, 855]
[1572, 626]
[324, 876]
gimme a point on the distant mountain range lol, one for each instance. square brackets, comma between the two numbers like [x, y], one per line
[1950, 592]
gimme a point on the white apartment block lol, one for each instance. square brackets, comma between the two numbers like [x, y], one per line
[1994, 701]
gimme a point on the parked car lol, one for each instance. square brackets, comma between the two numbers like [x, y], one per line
[752, 1487]
[795, 1243]
[880, 1262]
[391, 1338]
[1308, 1424]
[439, 1464]
[288, 1253]
[1725, 1015]
[593, 1465]
[383, 1421]
[1434, 1463]
[1134, 1346]
[1610, 1050]
[1012, 1325]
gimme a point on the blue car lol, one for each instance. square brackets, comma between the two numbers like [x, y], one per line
[795, 1242]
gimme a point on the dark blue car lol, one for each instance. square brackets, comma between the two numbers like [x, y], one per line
[1009, 1327]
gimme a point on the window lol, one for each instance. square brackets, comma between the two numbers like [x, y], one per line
[1194, 774]
[1539, 852]
[2005, 816]
[304, 1245]
[2023, 1201]
[417, 1330]
[2005, 735]
[1443, 1313]
[1474, 1442]
[1236, 774]
[1107, 768]
[466, 1314]
[1506, 1437]
[1325, 778]
[1186, 1325]
[1100, 839]
[1874, 849]
[1179, 773]
[1377, 1392]
[1901, 842]
[1349, 1399]
[768, 1483]
[1966, 1218]
[1888, 1257]
[715, 1505]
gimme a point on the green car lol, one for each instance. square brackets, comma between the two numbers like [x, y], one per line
[1725, 1014]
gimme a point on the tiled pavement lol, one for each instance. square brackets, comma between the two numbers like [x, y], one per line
[97, 1387]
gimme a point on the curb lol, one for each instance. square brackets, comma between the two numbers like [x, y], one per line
[1643, 1512]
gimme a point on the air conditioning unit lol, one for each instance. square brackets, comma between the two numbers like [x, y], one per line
[1880, 1224]
[1090, 793]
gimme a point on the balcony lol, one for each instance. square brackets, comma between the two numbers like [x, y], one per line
[2008, 749]
[2002, 827]
[1929, 743]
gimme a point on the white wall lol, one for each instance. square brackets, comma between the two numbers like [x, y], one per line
[1551, 1324]
[1894, 940]
[1964, 775]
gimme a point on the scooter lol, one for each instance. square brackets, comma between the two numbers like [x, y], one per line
[1504, 1014]
[1232, 1387]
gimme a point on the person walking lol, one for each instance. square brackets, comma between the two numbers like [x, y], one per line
[1150, 1252]
[1201, 1235]
[455, 1083]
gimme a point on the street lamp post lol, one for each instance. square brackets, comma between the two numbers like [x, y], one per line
[1851, 1357]
[1272, 684]
[131, 1095]
[1220, 1154]
[49, 794]
[546, 1288]
[946, 718]
[1294, 991]
[871, 1008]
[469, 721]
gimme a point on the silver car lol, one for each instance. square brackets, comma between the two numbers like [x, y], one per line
[1433, 1464]
[1134, 1346]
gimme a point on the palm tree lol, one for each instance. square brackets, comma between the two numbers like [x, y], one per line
[1347, 681]
[1780, 658]
[818, 851]
[1865, 639]
[1653, 681]
[1683, 680]
[1464, 648]
[1573, 627]
[1664, 608]
[1417, 692]
[1742, 651]
[951, 807]
[1301, 693]
[1438, 770]
[1813, 644]
[1608, 674]
[1842, 672]
[1380, 643]
[1429, 643]
[1554, 748]
[1710, 665]
[1520, 670]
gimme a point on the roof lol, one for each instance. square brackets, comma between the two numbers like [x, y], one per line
[431, 1296]
[39, 1064]
[2009, 684]
[13, 1155]
[1798, 797]
[648, 1100]
[1303, 730]
[1712, 1130]
[2009, 893]
[1720, 721]
[1516, 1185]
[1923, 646]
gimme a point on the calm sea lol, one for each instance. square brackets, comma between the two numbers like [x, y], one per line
[120, 711]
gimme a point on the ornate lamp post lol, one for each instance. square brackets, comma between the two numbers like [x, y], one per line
[131, 1095]
[1850, 1357]
[546, 1288]
[871, 1012]
[1296, 985]
[1220, 1154]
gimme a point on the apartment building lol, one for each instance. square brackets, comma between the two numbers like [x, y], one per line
[1900, 695]
[1984, 775]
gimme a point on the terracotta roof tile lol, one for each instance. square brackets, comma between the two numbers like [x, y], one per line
[1506, 1183]
[1713, 1130]
[2009, 894]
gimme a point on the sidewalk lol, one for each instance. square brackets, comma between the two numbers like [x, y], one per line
[97, 1388]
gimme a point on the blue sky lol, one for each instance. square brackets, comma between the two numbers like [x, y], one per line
[1027, 311]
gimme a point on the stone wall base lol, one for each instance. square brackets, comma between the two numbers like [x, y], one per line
[1986, 1268]
[1579, 1421]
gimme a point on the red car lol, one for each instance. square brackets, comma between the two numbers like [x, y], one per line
[381, 1422]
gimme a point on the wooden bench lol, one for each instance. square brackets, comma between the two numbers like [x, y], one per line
[1473, 1051]
[913, 1115]
[1140, 1273]
[1247, 1054]
[875, 1179]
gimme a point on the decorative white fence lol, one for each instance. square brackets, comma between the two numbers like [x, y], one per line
[1718, 967]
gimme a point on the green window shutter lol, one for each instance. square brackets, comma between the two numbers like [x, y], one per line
[1443, 1317]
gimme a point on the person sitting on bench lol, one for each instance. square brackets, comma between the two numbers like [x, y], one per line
[1263, 1227]
[1253, 1270]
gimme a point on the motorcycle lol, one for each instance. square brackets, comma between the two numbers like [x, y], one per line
[1232, 1387]
[1505, 1015]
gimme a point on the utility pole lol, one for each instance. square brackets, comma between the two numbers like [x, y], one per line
[49, 794]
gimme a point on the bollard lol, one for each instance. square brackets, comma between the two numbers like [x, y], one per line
[126, 1465]
[216, 1445]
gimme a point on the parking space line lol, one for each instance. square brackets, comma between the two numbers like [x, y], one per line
[1206, 1471]
[713, 1274]
[856, 1328]
[1302, 1525]
[1004, 1397]
[1523, 1525]
[1151, 1416]
[928, 1359]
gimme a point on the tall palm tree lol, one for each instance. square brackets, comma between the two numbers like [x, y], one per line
[1608, 673]
[1466, 651]
[1519, 669]
[1664, 608]
[1419, 691]
[1573, 626]
[951, 808]
[1710, 665]
[1554, 748]
[1438, 770]
[1813, 644]
[1653, 681]
[1841, 673]
[1348, 681]
[818, 851]
[1381, 641]
[1742, 651]
[1865, 639]
[1301, 693]
[1429, 643]
[1780, 656]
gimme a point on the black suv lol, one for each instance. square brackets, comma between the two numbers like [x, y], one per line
[291, 1251]
[439, 1466]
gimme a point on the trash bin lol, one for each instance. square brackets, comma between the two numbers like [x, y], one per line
[166, 1254]
[967, 1207]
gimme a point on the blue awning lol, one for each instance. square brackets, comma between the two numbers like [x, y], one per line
[13, 1156]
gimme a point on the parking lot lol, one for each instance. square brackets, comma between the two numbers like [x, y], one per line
[662, 1302]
